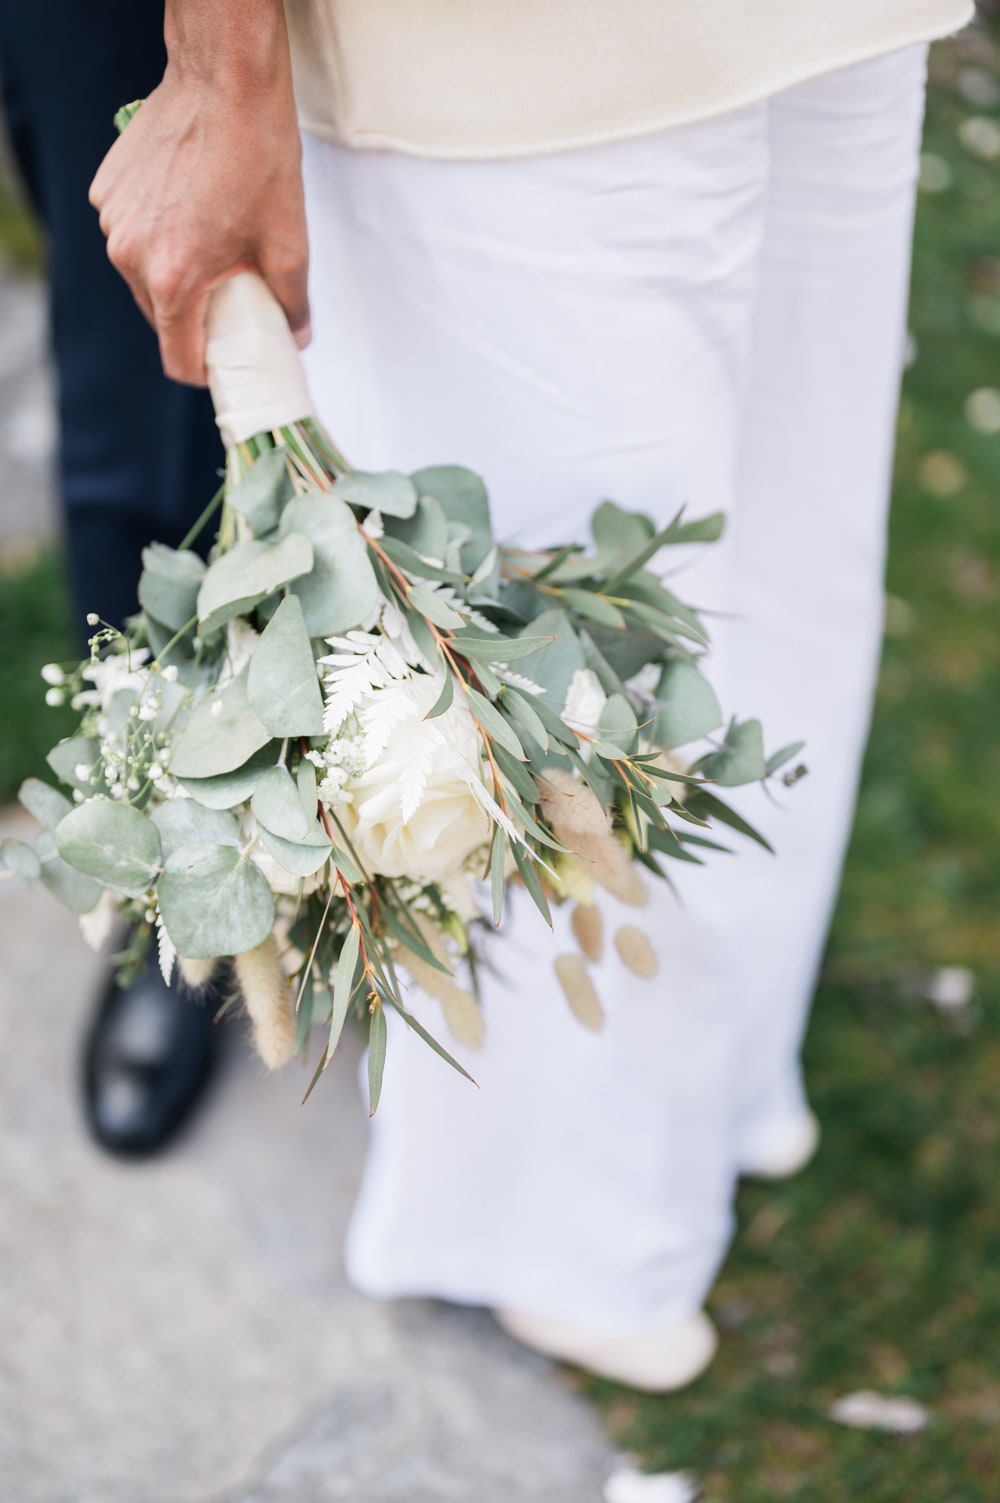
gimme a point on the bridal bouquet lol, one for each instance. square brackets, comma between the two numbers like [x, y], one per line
[327, 755]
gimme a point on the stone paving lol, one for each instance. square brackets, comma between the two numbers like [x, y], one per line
[181, 1331]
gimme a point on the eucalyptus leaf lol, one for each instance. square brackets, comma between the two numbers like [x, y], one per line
[430, 604]
[228, 789]
[498, 855]
[462, 496]
[282, 685]
[687, 707]
[113, 843]
[221, 734]
[619, 532]
[305, 785]
[71, 888]
[277, 806]
[404, 557]
[592, 605]
[444, 699]
[46, 803]
[250, 571]
[704, 530]
[706, 806]
[517, 774]
[493, 723]
[429, 1039]
[740, 760]
[376, 1056]
[779, 758]
[262, 495]
[344, 986]
[68, 755]
[626, 651]
[553, 666]
[526, 718]
[618, 724]
[17, 856]
[182, 822]
[499, 649]
[214, 901]
[341, 590]
[169, 584]
[529, 877]
[387, 491]
[425, 532]
[300, 858]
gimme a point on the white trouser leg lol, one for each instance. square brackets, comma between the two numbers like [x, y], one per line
[808, 530]
[578, 326]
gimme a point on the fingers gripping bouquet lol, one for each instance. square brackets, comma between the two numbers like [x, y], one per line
[325, 756]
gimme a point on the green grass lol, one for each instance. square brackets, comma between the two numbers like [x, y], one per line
[880, 1267]
[20, 238]
[34, 629]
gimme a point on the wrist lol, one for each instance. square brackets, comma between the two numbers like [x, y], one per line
[229, 45]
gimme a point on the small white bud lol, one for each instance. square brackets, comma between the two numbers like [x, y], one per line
[92, 618]
[53, 674]
[170, 673]
[54, 697]
[81, 772]
[155, 771]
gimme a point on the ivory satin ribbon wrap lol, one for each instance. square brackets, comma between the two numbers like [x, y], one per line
[254, 372]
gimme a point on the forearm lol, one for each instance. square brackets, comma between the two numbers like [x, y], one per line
[206, 180]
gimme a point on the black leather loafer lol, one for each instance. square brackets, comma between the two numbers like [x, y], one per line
[148, 1057]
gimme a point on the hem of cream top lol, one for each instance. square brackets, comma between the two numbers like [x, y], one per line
[502, 78]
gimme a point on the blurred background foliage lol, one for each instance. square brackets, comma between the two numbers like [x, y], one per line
[880, 1267]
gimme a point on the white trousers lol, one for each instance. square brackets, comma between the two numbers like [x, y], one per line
[711, 315]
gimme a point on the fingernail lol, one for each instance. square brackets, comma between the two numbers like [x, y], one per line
[303, 336]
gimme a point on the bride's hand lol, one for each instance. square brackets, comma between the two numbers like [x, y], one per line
[206, 180]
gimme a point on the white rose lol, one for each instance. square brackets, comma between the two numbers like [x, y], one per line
[414, 813]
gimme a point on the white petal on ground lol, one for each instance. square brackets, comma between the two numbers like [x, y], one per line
[873, 1411]
[951, 988]
[630, 1486]
[942, 473]
[979, 88]
[982, 410]
[936, 175]
[96, 925]
[981, 137]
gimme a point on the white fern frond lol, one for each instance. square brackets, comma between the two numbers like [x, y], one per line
[384, 713]
[414, 779]
[166, 952]
[516, 680]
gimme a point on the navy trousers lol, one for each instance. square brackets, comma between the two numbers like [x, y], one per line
[139, 456]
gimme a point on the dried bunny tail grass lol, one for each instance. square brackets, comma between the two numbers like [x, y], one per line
[464, 1017]
[571, 808]
[462, 1013]
[268, 1001]
[585, 1004]
[636, 952]
[196, 974]
[588, 930]
[613, 868]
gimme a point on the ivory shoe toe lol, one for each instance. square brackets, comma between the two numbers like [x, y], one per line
[658, 1358]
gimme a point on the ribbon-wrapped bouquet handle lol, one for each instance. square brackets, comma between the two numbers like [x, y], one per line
[255, 372]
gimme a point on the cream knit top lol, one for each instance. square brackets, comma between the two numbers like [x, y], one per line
[494, 78]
